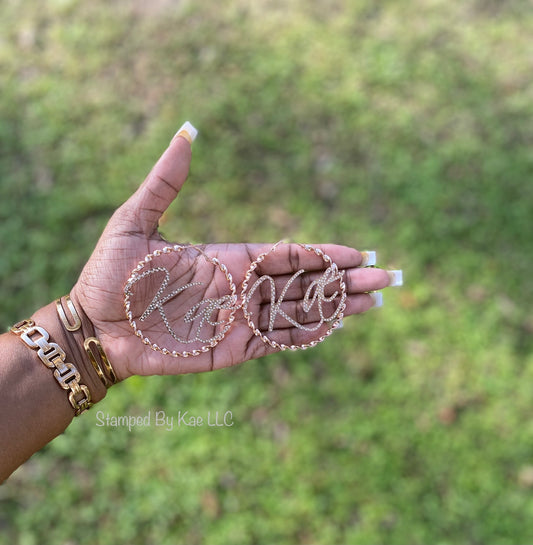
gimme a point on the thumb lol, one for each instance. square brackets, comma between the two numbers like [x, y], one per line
[164, 182]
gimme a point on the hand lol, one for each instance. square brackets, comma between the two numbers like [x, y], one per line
[132, 233]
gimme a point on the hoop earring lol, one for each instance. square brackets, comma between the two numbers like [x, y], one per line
[314, 296]
[196, 311]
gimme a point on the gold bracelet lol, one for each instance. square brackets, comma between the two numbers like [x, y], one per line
[98, 359]
[53, 356]
[93, 357]
[63, 316]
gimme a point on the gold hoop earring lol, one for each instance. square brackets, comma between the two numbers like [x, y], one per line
[313, 300]
[192, 297]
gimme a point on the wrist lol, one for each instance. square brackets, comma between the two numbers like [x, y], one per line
[75, 320]
[47, 379]
[73, 343]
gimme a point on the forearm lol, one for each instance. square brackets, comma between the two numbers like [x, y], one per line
[34, 407]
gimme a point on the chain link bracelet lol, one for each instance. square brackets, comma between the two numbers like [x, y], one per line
[53, 356]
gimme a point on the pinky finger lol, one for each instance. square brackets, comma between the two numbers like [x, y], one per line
[362, 302]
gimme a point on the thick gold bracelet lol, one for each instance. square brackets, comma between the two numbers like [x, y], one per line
[53, 356]
[98, 357]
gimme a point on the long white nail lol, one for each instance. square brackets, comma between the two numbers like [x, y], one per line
[378, 299]
[396, 278]
[188, 132]
[369, 259]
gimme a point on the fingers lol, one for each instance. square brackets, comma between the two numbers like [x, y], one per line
[164, 182]
[283, 302]
[355, 304]
[357, 280]
[288, 258]
[358, 299]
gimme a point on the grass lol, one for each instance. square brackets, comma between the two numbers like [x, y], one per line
[397, 126]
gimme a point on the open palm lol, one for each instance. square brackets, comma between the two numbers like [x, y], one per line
[132, 233]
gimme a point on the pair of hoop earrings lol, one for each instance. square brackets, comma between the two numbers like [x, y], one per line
[201, 317]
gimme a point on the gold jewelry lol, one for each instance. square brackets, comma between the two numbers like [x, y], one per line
[73, 312]
[314, 295]
[198, 321]
[103, 357]
[53, 356]
[98, 359]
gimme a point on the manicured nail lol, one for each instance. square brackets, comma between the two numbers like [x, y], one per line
[188, 132]
[369, 259]
[396, 278]
[378, 298]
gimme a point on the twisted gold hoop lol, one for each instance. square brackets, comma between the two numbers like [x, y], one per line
[202, 310]
[331, 273]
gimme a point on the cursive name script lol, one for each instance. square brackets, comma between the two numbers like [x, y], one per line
[200, 313]
[314, 295]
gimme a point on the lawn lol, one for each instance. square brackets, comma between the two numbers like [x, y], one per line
[396, 126]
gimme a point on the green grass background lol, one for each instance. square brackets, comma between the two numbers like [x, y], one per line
[400, 126]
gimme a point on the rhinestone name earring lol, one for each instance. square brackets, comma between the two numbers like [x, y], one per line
[187, 301]
[303, 311]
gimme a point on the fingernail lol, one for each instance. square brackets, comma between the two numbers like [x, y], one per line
[396, 278]
[369, 259]
[188, 132]
[377, 296]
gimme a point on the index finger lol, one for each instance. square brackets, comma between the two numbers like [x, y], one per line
[287, 258]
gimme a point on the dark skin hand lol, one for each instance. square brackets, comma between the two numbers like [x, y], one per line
[290, 307]
[133, 233]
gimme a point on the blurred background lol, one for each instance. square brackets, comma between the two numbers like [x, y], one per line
[398, 126]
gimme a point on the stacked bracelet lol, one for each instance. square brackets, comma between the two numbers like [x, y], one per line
[99, 361]
[53, 356]
[93, 348]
